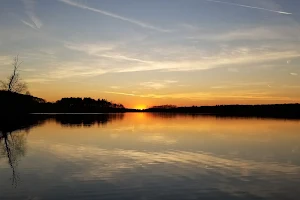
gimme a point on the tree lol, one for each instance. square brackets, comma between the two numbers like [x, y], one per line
[14, 82]
[164, 107]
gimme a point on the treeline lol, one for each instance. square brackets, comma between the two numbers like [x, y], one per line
[12, 102]
[272, 110]
[164, 107]
[86, 105]
[15, 103]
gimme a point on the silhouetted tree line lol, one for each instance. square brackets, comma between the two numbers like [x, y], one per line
[87, 105]
[15, 103]
[12, 103]
[164, 107]
[272, 110]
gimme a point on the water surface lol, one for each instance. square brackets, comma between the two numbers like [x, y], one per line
[149, 156]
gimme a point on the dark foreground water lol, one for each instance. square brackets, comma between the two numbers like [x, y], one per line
[146, 156]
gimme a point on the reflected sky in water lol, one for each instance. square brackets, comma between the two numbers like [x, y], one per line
[150, 156]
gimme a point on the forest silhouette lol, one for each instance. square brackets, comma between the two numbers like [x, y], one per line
[12, 104]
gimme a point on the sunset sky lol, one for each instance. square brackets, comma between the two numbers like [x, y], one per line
[142, 53]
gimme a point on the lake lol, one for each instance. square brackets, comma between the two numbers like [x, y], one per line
[149, 156]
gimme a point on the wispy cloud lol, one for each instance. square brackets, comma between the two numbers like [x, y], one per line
[242, 85]
[192, 59]
[263, 33]
[91, 49]
[36, 23]
[123, 57]
[115, 87]
[5, 60]
[65, 70]
[38, 80]
[105, 50]
[251, 7]
[29, 24]
[234, 57]
[294, 74]
[157, 84]
[106, 13]
[207, 96]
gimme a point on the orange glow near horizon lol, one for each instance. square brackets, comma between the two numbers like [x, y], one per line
[140, 103]
[140, 107]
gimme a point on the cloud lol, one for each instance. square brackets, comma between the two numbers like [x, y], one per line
[242, 85]
[37, 80]
[208, 96]
[115, 87]
[29, 24]
[251, 7]
[294, 74]
[36, 23]
[157, 84]
[265, 33]
[105, 50]
[123, 57]
[170, 81]
[73, 69]
[91, 49]
[106, 13]
[191, 60]
[237, 57]
[5, 60]
[153, 85]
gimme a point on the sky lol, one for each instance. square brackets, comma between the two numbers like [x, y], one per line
[143, 53]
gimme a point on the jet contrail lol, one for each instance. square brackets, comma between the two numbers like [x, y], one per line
[252, 7]
[103, 12]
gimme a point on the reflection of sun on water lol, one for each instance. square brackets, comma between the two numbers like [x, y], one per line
[140, 116]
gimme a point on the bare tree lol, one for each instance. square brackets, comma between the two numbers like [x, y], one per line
[14, 82]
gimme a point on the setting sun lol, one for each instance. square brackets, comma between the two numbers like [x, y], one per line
[140, 107]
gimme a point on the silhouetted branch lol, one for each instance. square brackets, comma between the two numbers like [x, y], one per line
[14, 82]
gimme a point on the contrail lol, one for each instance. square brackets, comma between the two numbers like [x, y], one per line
[103, 12]
[252, 7]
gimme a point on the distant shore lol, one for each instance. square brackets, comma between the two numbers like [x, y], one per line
[18, 104]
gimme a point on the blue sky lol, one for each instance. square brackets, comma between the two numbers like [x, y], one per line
[140, 52]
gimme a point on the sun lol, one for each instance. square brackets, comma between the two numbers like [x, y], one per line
[140, 107]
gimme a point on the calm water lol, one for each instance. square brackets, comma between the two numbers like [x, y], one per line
[147, 156]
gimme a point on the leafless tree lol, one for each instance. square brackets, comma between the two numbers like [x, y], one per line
[14, 82]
